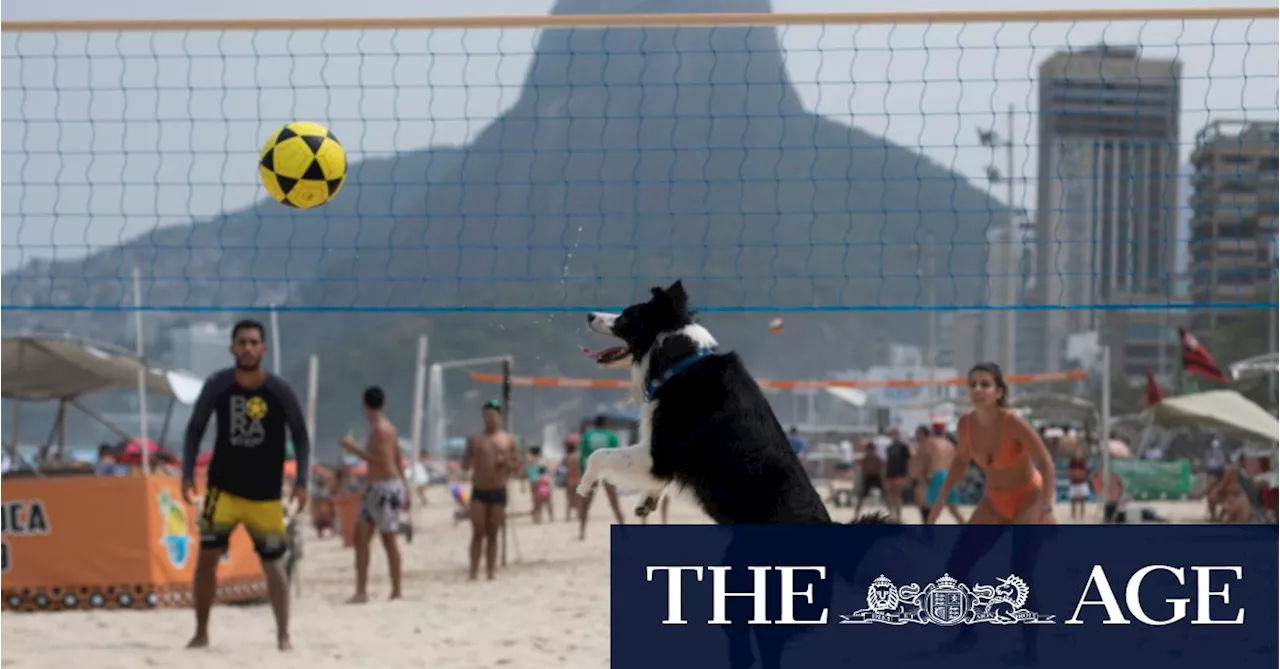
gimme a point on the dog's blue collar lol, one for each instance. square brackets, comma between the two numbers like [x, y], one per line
[651, 388]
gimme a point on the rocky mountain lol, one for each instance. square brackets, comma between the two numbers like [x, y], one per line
[633, 157]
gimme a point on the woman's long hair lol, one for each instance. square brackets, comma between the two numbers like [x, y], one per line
[998, 376]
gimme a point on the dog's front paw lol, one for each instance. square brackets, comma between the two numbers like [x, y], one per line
[586, 487]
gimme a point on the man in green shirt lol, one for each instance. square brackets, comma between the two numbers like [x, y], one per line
[595, 439]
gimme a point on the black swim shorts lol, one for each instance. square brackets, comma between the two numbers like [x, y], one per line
[497, 496]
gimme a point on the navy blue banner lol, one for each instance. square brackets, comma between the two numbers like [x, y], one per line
[902, 597]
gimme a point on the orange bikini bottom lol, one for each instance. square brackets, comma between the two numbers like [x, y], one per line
[1008, 502]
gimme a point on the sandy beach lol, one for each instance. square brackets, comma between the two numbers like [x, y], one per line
[548, 608]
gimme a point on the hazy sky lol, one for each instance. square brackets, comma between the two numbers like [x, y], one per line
[121, 133]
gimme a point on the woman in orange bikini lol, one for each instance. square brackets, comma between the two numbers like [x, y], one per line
[1019, 488]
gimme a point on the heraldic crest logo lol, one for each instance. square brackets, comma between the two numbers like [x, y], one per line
[947, 602]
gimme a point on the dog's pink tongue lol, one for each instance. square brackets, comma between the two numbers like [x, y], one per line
[587, 352]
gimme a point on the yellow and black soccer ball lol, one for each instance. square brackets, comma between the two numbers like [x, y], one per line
[303, 165]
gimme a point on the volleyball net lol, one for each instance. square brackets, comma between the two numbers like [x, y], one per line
[990, 185]
[1061, 161]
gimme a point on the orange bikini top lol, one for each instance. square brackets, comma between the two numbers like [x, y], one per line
[1010, 453]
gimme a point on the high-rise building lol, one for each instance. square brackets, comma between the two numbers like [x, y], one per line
[1144, 340]
[1233, 224]
[1107, 191]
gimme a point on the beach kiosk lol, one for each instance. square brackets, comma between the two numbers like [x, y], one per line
[77, 540]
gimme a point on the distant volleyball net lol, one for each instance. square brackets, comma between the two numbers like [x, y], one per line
[888, 162]
[782, 384]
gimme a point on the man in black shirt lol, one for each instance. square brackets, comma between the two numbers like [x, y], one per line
[246, 475]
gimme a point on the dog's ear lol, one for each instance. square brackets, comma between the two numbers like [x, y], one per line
[677, 296]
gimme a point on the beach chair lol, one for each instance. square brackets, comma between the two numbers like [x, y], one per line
[1258, 514]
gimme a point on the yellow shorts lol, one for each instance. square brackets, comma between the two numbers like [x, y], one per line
[263, 519]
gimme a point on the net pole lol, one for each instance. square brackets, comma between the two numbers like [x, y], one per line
[313, 393]
[506, 424]
[435, 412]
[932, 297]
[142, 371]
[275, 341]
[1015, 267]
[506, 395]
[1104, 430]
[13, 443]
[419, 390]
[1272, 324]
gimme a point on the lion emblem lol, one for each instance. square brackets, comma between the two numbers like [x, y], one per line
[881, 595]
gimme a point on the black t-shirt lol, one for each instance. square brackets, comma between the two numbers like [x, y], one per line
[898, 455]
[249, 447]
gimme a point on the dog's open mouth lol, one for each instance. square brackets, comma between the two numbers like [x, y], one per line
[608, 355]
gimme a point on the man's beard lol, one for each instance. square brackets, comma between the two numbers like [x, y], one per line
[252, 367]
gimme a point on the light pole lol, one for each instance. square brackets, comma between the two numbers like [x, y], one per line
[992, 139]
[928, 264]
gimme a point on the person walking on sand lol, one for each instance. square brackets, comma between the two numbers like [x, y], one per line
[492, 456]
[246, 474]
[572, 476]
[385, 493]
[596, 439]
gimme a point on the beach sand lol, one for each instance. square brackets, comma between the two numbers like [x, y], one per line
[548, 608]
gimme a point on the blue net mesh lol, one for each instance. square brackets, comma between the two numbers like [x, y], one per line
[816, 167]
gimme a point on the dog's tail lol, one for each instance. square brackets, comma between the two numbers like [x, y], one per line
[874, 518]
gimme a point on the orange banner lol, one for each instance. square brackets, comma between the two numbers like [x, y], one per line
[110, 542]
[781, 384]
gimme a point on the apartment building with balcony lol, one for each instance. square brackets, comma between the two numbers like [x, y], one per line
[1233, 223]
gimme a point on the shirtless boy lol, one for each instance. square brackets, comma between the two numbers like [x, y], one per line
[385, 494]
[492, 454]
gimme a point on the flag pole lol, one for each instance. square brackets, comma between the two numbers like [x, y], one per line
[1182, 362]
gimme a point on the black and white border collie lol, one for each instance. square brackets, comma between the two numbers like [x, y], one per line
[705, 425]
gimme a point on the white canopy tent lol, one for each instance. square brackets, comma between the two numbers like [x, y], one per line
[52, 367]
[851, 396]
[1226, 411]
[1257, 366]
[1055, 405]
